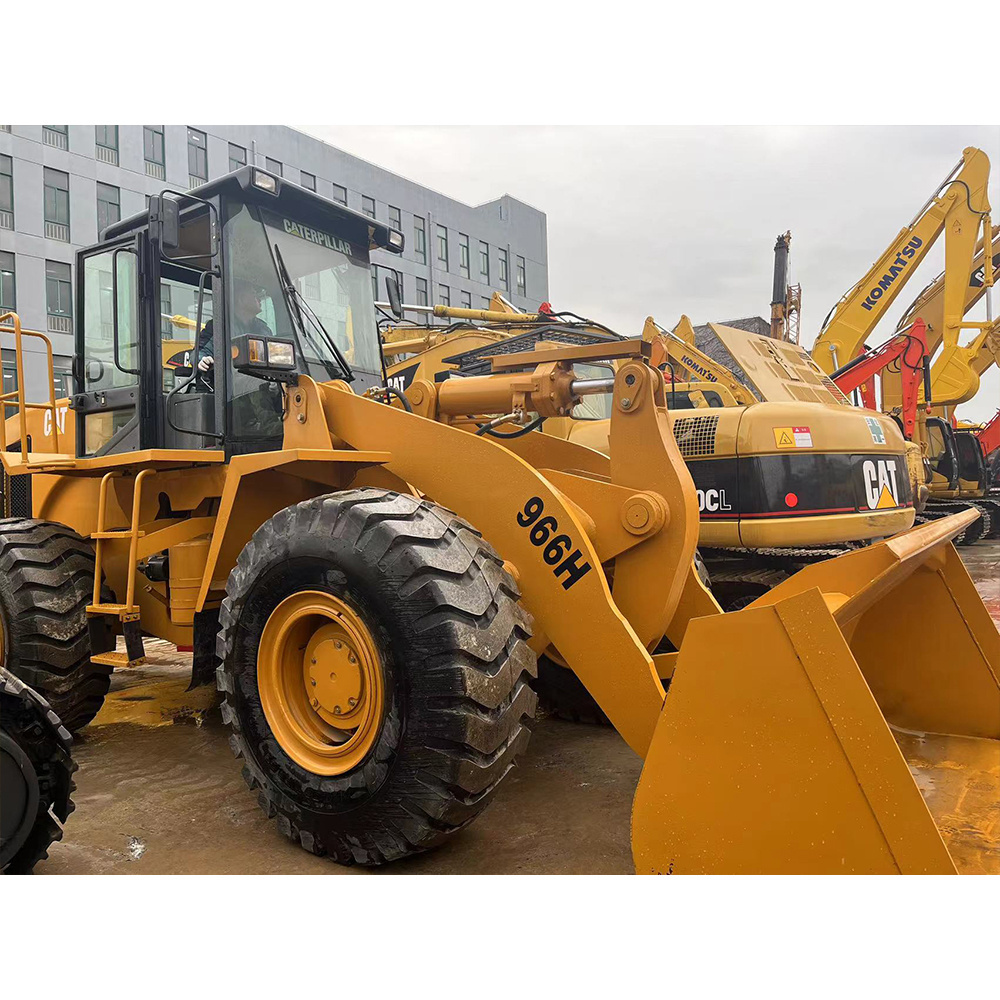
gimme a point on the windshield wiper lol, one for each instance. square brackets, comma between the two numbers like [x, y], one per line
[297, 304]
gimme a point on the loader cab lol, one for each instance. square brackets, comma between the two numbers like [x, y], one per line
[193, 315]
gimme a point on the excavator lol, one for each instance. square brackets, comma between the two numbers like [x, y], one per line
[368, 576]
[786, 470]
[960, 208]
[959, 473]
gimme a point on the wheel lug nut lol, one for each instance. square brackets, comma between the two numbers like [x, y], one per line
[336, 710]
[352, 702]
[315, 703]
[313, 681]
[338, 644]
[353, 658]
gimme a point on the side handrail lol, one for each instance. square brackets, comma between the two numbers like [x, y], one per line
[15, 399]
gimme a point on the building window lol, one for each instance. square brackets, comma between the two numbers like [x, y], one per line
[521, 277]
[484, 262]
[56, 205]
[308, 181]
[443, 246]
[395, 218]
[368, 206]
[463, 255]
[6, 192]
[466, 300]
[8, 283]
[4, 128]
[152, 151]
[56, 135]
[107, 143]
[273, 166]
[421, 291]
[502, 269]
[237, 157]
[444, 295]
[59, 297]
[340, 194]
[109, 205]
[484, 301]
[419, 239]
[197, 157]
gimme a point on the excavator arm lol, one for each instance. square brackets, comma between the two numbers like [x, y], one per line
[908, 349]
[929, 306]
[989, 435]
[677, 349]
[960, 207]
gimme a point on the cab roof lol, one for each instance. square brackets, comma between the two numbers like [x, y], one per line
[296, 201]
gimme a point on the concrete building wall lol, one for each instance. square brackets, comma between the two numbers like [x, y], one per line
[505, 224]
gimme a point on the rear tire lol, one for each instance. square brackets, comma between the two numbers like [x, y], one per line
[563, 695]
[454, 671]
[37, 776]
[46, 583]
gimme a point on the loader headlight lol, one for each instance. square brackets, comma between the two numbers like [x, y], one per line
[265, 182]
[268, 358]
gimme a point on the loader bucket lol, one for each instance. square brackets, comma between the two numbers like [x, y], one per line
[848, 721]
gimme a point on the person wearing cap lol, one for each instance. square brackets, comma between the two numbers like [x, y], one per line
[247, 298]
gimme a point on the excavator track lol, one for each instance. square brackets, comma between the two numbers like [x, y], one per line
[979, 529]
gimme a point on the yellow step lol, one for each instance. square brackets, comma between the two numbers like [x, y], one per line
[122, 611]
[116, 660]
[115, 534]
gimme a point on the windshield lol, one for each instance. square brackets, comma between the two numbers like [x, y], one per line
[332, 276]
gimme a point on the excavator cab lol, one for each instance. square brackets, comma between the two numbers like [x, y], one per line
[274, 282]
[942, 456]
[972, 472]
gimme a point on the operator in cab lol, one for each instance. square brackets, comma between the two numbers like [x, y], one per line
[247, 299]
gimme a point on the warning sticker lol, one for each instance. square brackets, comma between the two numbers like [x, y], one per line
[875, 429]
[792, 437]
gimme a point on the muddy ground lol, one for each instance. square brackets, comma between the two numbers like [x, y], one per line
[159, 791]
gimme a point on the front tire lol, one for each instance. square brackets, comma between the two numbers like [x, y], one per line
[376, 673]
[46, 583]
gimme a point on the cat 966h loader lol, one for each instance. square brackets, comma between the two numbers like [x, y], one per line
[369, 580]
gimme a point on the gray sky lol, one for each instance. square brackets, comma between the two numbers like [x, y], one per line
[665, 221]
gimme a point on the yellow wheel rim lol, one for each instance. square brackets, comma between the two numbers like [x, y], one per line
[320, 682]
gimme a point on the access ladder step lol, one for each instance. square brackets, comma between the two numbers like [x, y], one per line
[116, 660]
[122, 611]
[123, 533]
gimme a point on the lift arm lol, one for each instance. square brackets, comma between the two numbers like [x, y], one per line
[960, 207]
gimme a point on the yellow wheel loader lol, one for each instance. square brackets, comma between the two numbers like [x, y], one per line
[370, 581]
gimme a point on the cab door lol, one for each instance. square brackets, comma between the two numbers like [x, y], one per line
[115, 413]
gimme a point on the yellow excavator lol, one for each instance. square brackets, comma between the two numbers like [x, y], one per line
[786, 470]
[368, 576]
[960, 209]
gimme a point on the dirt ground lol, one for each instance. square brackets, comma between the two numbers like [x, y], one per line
[159, 791]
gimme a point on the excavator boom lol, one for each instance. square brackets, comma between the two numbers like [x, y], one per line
[960, 207]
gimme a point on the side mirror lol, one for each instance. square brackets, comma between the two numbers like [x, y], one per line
[392, 291]
[165, 222]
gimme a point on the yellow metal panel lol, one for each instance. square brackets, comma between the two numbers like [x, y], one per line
[771, 757]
